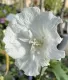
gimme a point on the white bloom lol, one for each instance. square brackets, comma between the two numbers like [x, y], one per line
[31, 39]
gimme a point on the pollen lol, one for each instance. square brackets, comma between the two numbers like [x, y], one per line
[36, 43]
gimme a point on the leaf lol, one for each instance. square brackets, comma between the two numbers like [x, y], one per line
[8, 77]
[59, 72]
[53, 5]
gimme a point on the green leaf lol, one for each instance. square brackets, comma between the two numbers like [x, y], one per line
[53, 5]
[8, 77]
[59, 72]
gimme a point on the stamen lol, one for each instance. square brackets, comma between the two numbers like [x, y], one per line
[35, 44]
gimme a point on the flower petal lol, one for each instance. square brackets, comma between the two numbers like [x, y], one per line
[24, 19]
[24, 35]
[46, 20]
[56, 54]
[27, 15]
[13, 46]
[42, 60]
[31, 69]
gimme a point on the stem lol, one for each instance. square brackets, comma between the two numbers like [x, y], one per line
[24, 3]
[62, 45]
[7, 63]
[31, 3]
[40, 74]
[61, 16]
[41, 5]
[21, 4]
[7, 60]
[62, 10]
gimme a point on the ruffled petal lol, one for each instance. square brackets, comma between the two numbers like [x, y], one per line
[13, 46]
[56, 54]
[51, 23]
[42, 60]
[46, 20]
[28, 65]
[27, 15]
[24, 19]
[24, 36]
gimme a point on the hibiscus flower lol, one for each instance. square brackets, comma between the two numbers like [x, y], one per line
[31, 38]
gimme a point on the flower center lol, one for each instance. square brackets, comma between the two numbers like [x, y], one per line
[35, 44]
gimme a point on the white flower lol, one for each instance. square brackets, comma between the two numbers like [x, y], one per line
[31, 39]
